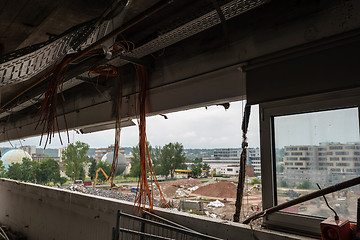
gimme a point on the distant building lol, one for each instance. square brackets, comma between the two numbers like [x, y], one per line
[39, 157]
[60, 152]
[327, 163]
[253, 159]
[233, 170]
[100, 152]
[29, 149]
[224, 158]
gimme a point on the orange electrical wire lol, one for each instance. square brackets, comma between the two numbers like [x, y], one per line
[144, 192]
[107, 71]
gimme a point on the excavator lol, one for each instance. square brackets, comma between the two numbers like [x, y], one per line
[107, 178]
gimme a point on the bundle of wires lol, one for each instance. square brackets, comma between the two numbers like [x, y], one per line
[48, 110]
[144, 192]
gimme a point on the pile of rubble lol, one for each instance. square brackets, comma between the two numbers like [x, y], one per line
[176, 189]
[130, 197]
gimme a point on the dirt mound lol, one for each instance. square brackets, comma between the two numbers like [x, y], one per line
[169, 191]
[220, 189]
[184, 183]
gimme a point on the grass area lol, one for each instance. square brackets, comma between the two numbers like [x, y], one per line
[126, 180]
[196, 212]
[205, 200]
[204, 181]
[183, 197]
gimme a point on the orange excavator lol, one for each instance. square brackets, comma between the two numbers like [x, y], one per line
[106, 176]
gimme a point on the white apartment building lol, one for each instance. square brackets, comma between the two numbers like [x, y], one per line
[225, 157]
[253, 158]
[328, 162]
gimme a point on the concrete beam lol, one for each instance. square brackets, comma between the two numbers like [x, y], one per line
[81, 111]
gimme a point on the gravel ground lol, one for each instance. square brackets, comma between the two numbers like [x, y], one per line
[130, 197]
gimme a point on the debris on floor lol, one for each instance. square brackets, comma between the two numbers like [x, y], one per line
[107, 193]
[216, 203]
[191, 189]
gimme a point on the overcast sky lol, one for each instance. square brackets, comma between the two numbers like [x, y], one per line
[213, 127]
[340, 125]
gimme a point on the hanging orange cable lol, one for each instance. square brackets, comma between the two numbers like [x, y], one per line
[106, 70]
[48, 111]
[144, 193]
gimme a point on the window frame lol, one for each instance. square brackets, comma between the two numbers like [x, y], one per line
[305, 225]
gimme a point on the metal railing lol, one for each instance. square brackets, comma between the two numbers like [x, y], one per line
[156, 227]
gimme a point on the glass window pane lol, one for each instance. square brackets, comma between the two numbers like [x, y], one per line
[319, 147]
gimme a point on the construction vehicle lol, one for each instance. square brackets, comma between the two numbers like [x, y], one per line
[106, 176]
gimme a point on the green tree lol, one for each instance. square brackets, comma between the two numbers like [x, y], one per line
[172, 157]
[197, 167]
[28, 170]
[74, 158]
[48, 171]
[14, 171]
[2, 169]
[304, 185]
[155, 155]
[206, 167]
[62, 180]
[283, 184]
[92, 169]
[135, 159]
[254, 181]
[106, 167]
[82, 174]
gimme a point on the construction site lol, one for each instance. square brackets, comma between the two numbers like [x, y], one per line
[212, 198]
[88, 66]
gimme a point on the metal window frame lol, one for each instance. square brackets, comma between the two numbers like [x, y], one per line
[305, 225]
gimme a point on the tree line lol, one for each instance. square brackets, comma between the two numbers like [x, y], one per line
[165, 160]
[32, 171]
[48, 170]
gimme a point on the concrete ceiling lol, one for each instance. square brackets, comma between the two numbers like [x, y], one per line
[197, 70]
